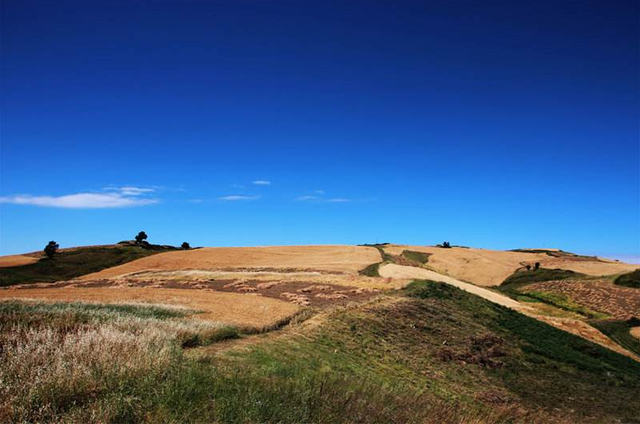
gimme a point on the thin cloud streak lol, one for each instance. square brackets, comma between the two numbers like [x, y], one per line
[236, 198]
[261, 182]
[79, 201]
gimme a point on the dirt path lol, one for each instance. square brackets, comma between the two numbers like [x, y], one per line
[409, 272]
[573, 326]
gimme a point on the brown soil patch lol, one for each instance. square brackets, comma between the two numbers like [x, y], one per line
[491, 267]
[635, 332]
[598, 295]
[341, 259]
[232, 308]
[17, 260]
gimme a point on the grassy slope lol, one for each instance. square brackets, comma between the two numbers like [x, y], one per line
[631, 279]
[407, 258]
[522, 278]
[72, 263]
[431, 353]
[619, 332]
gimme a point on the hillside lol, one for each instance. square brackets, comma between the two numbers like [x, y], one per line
[318, 334]
[491, 267]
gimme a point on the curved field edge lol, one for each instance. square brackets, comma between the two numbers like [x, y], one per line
[430, 353]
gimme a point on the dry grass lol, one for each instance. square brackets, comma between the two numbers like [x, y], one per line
[341, 259]
[491, 267]
[198, 275]
[232, 308]
[53, 356]
[17, 260]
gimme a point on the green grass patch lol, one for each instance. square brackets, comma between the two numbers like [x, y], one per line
[631, 279]
[72, 263]
[522, 278]
[419, 257]
[618, 331]
[90, 310]
[371, 270]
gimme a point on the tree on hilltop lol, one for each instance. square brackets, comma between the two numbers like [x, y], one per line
[51, 249]
[185, 246]
[141, 237]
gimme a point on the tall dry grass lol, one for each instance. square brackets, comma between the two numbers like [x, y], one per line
[54, 357]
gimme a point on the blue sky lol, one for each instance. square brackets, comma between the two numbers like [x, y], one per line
[495, 124]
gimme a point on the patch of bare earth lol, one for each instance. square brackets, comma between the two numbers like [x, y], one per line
[598, 295]
[635, 332]
[339, 259]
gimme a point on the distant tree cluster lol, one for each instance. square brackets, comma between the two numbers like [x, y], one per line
[445, 245]
[140, 240]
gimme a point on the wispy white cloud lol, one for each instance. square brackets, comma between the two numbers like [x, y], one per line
[261, 182]
[131, 190]
[307, 198]
[321, 199]
[80, 201]
[235, 198]
[109, 197]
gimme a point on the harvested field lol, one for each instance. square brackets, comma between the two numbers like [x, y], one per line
[231, 308]
[329, 259]
[195, 276]
[17, 260]
[298, 292]
[491, 267]
[599, 295]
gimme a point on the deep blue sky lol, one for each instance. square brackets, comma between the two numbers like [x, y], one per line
[498, 124]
